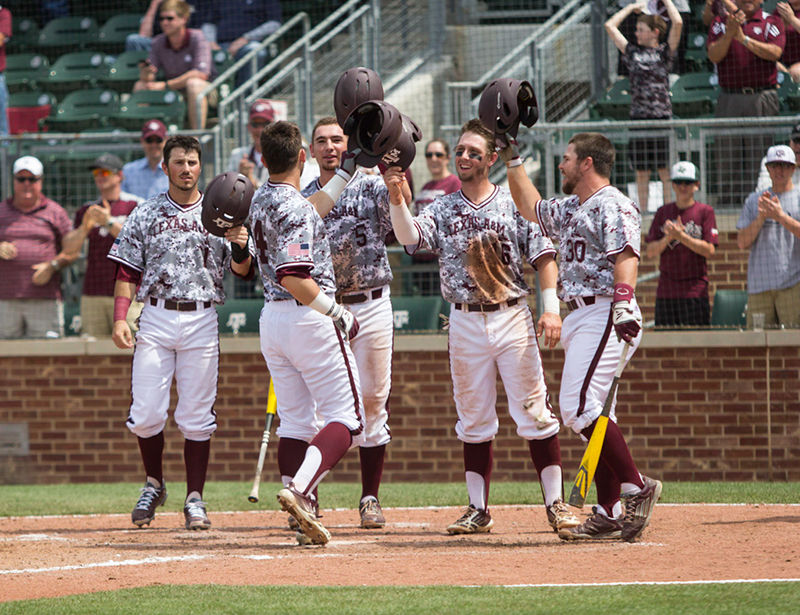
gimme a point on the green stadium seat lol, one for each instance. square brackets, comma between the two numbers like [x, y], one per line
[63, 34]
[112, 34]
[84, 109]
[167, 105]
[695, 95]
[26, 71]
[789, 95]
[72, 318]
[239, 316]
[729, 309]
[615, 104]
[25, 109]
[696, 57]
[77, 70]
[124, 71]
[25, 37]
[418, 313]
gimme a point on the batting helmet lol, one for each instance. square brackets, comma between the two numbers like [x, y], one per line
[372, 129]
[226, 202]
[403, 152]
[505, 103]
[355, 86]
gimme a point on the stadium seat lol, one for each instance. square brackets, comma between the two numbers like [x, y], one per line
[124, 71]
[25, 37]
[418, 313]
[239, 316]
[65, 34]
[112, 34]
[696, 53]
[788, 94]
[729, 309]
[615, 104]
[695, 95]
[75, 70]
[84, 109]
[167, 105]
[25, 109]
[26, 71]
[72, 318]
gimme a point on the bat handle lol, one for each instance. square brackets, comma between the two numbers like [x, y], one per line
[253, 497]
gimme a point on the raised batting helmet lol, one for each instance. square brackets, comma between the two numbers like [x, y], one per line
[226, 202]
[355, 86]
[403, 152]
[372, 129]
[505, 103]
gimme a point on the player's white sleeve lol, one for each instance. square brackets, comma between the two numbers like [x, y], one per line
[404, 228]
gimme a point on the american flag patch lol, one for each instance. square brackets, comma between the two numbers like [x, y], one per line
[299, 249]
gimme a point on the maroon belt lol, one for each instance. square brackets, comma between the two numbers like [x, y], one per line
[375, 293]
[574, 305]
[180, 306]
[485, 307]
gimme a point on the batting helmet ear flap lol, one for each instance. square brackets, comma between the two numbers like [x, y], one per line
[355, 86]
[404, 150]
[372, 130]
[226, 202]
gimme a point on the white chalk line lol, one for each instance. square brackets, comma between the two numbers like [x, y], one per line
[109, 564]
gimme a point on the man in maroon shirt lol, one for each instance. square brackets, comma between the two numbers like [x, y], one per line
[5, 34]
[746, 47]
[790, 13]
[683, 234]
[32, 228]
[101, 221]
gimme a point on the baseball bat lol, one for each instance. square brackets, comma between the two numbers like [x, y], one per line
[592, 454]
[272, 407]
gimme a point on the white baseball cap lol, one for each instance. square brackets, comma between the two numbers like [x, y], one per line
[29, 163]
[781, 153]
[683, 171]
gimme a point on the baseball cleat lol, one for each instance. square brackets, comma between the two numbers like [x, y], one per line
[194, 512]
[371, 513]
[560, 517]
[150, 498]
[596, 527]
[302, 508]
[639, 507]
[473, 521]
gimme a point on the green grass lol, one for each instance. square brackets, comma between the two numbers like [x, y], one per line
[20, 500]
[750, 598]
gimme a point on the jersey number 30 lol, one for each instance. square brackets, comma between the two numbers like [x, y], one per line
[575, 250]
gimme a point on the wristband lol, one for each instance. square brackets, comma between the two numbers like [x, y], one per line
[238, 253]
[121, 305]
[326, 306]
[514, 162]
[623, 292]
[550, 300]
[335, 185]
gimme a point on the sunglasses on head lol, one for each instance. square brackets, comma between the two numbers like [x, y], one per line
[102, 172]
[153, 140]
[26, 179]
[435, 155]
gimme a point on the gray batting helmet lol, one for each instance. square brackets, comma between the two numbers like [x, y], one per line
[373, 128]
[226, 202]
[355, 86]
[505, 103]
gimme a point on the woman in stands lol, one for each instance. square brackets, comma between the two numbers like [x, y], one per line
[649, 62]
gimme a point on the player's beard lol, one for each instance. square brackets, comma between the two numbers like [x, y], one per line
[569, 181]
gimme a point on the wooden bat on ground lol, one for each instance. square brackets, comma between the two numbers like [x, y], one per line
[272, 407]
[592, 454]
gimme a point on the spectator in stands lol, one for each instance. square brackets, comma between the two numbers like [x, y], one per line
[148, 28]
[683, 235]
[649, 63]
[769, 226]
[32, 228]
[659, 7]
[144, 177]
[721, 8]
[5, 34]
[184, 56]
[746, 54]
[101, 221]
[790, 60]
[764, 180]
[247, 160]
[238, 26]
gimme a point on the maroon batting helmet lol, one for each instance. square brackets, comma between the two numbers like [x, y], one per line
[226, 202]
[355, 86]
[372, 129]
[505, 103]
[403, 152]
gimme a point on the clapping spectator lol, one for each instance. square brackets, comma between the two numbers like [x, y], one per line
[649, 62]
[144, 177]
[764, 180]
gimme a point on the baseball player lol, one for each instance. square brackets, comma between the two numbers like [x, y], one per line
[178, 268]
[481, 241]
[304, 331]
[598, 230]
[357, 227]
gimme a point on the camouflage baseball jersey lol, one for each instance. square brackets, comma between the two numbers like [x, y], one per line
[289, 234]
[481, 247]
[179, 259]
[649, 69]
[357, 228]
[589, 236]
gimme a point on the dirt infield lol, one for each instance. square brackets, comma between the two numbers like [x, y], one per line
[55, 556]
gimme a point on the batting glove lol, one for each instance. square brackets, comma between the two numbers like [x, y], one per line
[344, 320]
[509, 150]
[627, 322]
[347, 165]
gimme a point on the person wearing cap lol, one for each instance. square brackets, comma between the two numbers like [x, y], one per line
[764, 180]
[144, 177]
[683, 235]
[32, 229]
[247, 160]
[769, 226]
[100, 222]
[5, 34]
[745, 46]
